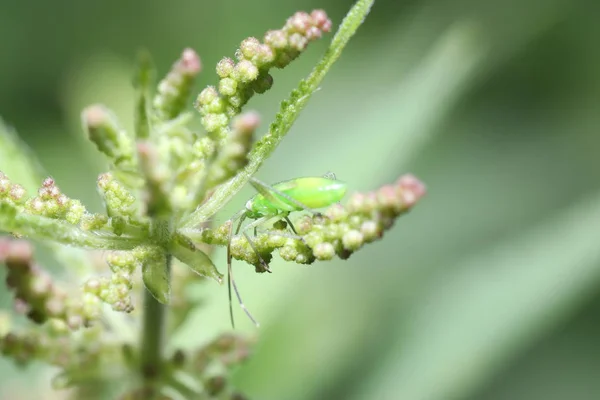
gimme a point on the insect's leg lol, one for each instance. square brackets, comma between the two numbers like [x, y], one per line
[290, 224]
[263, 263]
[229, 273]
[285, 217]
[267, 191]
[294, 229]
[265, 219]
[242, 218]
[254, 225]
[230, 279]
[258, 222]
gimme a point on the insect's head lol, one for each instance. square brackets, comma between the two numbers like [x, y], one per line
[251, 211]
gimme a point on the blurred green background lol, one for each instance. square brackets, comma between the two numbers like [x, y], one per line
[489, 289]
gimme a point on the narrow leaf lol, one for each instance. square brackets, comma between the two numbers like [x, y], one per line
[156, 276]
[142, 81]
[17, 161]
[492, 306]
[185, 251]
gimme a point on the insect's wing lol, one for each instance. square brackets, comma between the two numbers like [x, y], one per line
[282, 195]
[269, 193]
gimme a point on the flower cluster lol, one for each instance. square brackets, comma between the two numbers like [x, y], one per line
[36, 295]
[116, 290]
[164, 183]
[83, 359]
[362, 220]
[232, 156]
[220, 157]
[51, 203]
[10, 193]
[118, 200]
[104, 130]
[250, 74]
[340, 230]
[210, 363]
[36, 345]
[174, 89]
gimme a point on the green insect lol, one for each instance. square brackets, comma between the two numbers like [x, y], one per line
[275, 203]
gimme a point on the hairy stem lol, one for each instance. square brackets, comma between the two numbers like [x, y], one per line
[290, 109]
[152, 336]
[58, 231]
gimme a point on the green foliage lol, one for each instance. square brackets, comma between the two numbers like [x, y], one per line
[487, 290]
[162, 179]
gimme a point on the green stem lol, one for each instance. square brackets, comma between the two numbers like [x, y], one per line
[152, 336]
[59, 231]
[290, 109]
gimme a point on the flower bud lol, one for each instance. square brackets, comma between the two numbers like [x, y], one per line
[263, 83]
[277, 39]
[118, 200]
[227, 86]
[174, 89]
[352, 240]
[207, 96]
[245, 71]
[320, 20]
[225, 67]
[104, 131]
[249, 48]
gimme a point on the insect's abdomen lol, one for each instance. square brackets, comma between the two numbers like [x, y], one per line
[313, 192]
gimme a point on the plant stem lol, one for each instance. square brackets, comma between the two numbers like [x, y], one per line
[154, 315]
[152, 335]
[59, 231]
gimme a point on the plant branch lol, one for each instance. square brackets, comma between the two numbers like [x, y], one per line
[39, 227]
[290, 110]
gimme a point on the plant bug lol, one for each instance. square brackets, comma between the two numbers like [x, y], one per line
[277, 202]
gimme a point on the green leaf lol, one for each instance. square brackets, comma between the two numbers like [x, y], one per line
[184, 250]
[491, 306]
[17, 161]
[156, 277]
[142, 81]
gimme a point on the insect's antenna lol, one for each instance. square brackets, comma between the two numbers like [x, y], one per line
[231, 280]
[240, 215]
[229, 273]
[330, 175]
[239, 297]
